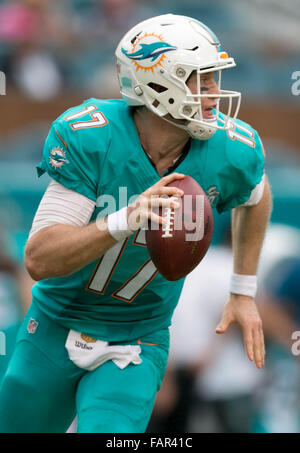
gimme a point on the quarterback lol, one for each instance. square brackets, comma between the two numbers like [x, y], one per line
[95, 339]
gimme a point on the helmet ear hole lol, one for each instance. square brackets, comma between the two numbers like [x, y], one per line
[190, 76]
[156, 87]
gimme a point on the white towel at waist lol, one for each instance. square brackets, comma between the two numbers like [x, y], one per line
[89, 353]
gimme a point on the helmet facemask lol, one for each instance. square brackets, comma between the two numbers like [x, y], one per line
[191, 110]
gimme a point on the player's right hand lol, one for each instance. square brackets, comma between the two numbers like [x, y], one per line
[158, 195]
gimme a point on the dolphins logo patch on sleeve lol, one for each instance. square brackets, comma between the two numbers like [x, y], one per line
[148, 51]
[58, 157]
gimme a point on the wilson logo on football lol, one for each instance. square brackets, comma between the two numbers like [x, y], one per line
[148, 51]
[58, 157]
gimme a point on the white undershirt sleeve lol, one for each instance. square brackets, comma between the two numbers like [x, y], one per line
[60, 205]
[256, 194]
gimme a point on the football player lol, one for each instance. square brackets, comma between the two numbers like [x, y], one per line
[95, 339]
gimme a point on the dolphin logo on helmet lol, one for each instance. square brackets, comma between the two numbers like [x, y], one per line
[152, 50]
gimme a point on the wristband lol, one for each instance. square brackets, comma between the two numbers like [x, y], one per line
[243, 284]
[117, 225]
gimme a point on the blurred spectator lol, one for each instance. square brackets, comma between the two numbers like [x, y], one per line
[21, 25]
[27, 31]
[110, 20]
[37, 75]
[18, 22]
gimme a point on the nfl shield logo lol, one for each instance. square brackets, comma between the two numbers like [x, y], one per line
[32, 325]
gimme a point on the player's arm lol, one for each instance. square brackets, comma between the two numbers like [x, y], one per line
[248, 230]
[62, 249]
[249, 224]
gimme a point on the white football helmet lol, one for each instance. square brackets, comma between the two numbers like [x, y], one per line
[154, 61]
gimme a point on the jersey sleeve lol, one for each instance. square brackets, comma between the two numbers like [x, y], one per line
[73, 157]
[244, 171]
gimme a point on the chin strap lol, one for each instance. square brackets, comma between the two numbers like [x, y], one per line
[197, 130]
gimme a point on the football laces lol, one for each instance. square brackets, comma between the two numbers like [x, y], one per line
[169, 216]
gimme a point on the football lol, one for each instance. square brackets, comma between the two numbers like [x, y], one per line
[178, 246]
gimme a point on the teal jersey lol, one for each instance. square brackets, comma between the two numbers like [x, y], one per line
[94, 149]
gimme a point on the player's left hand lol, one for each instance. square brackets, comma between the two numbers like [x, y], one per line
[243, 311]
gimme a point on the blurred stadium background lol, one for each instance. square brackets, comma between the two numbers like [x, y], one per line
[57, 53]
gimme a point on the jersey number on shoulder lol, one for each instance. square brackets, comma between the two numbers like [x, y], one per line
[234, 135]
[106, 267]
[98, 119]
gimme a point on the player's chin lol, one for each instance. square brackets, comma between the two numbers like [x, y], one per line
[208, 115]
